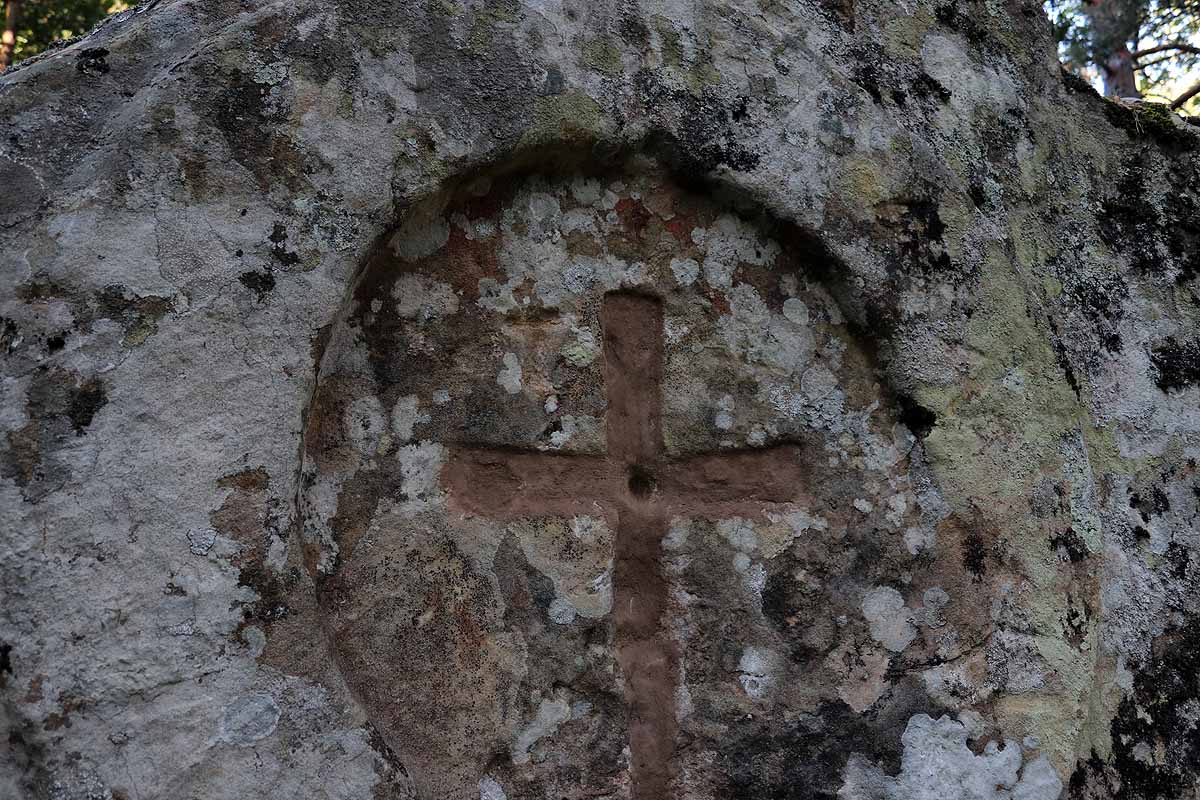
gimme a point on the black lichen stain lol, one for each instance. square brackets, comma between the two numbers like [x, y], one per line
[1090, 781]
[279, 252]
[1179, 558]
[880, 82]
[806, 757]
[927, 86]
[867, 76]
[261, 283]
[1158, 714]
[1154, 235]
[915, 231]
[241, 110]
[785, 605]
[6, 667]
[92, 61]
[86, 399]
[974, 554]
[138, 315]
[1176, 364]
[1155, 504]
[1070, 543]
[1099, 298]
[967, 23]
[274, 590]
[8, 335]
[394, 779]
[633, 29]
[1075, 622]
[59, 404]
[708, 135]
[1064, 359]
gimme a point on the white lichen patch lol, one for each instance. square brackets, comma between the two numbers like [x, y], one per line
[365, 424]
[755, 334]
[933, 600]
[758, 669]
[685, 270]
[950, 683]
[897, 507]
[419, 297]
[1085, 512]
[201, 540]
[740, 534]
[551, 714]
[420, 466]
[795, 311]
[677, 534]
[561, 611]
[586, 191]
[918, 539]
[889, 619]
[674, 330]
[509, 376]
[937, 765]
[581, 432]
[322, 504]
[729, 243]
[490, 789]
[406, 415]
[778, 535]
[249, 719]
[723, 420]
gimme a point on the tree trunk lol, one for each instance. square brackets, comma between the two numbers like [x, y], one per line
[1115, 25]
[8, 40]
[1119, 77]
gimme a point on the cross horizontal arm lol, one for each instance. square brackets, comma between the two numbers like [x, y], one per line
[511, 484]
[734, 483]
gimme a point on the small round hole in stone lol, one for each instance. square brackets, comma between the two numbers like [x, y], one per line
[641, 481]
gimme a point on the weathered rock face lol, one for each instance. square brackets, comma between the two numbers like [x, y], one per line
[637, 401]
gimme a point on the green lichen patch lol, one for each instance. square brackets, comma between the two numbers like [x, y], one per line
[601, 54]
[564, 120]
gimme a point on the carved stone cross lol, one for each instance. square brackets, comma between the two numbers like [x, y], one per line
[643, 488]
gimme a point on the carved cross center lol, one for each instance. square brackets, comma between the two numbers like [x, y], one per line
[644, 488]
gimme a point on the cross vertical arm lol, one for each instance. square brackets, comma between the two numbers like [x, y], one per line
[633, 370]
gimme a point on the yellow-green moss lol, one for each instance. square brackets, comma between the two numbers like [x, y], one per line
[571, 118]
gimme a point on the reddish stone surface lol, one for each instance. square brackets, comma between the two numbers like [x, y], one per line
[642, 489]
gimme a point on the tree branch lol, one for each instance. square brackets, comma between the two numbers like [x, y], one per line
[1162, 48]
[1153, 62]
[1178, 102]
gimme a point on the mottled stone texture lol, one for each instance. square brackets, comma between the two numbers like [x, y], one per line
[299, 300]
